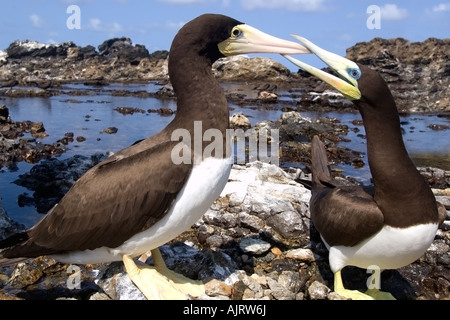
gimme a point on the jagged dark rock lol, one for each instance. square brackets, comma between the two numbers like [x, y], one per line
[24, 49]
[122, 48]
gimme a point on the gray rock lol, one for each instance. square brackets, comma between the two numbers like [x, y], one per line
[318, 291]
[254, 246]
[278, 291]
[7, 225]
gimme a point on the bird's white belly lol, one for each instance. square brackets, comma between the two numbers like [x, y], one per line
[202, 188]
[390, 248]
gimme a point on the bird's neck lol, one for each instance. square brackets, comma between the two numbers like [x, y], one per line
[385, 146]
[399, 187]
[199, 95]
[202, 108]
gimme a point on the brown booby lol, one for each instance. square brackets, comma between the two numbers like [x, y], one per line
[395, 224]
[143, 197]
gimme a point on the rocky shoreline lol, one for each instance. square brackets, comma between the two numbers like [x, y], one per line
[256, 241]
[418, 73]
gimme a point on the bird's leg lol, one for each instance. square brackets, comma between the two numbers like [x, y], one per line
[159, 283]
[350, 294]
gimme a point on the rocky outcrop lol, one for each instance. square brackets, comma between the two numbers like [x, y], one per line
[243, 68]
[418, 73]
[116, 59]
[379, 51]
[122, 48]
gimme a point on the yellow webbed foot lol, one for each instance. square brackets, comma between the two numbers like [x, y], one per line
[353, 294]
[349, 294]
[159, 283]
[379, 295]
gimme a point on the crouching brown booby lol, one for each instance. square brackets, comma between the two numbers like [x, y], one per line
[391, 227]
[143, 196]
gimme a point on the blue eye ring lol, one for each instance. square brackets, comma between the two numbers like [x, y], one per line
[355, 73]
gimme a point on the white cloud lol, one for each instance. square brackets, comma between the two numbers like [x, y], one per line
[116, 27]
[97, 25]
[36, 21]
[294, 5]
[442, 7]
[392, 12]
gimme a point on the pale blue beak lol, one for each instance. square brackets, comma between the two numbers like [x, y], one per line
[347, 70]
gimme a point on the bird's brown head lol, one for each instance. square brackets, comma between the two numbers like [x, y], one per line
[216, 36]
[359, 83]
[374, 90]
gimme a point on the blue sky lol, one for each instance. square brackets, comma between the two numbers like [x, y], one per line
[332, 24]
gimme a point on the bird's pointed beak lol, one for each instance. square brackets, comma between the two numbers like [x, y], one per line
[346, 69]
[245, 39]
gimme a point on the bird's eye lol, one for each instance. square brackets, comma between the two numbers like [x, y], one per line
[355, 73]
[236, 32]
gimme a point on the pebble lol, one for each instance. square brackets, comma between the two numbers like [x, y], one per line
[301, 254]
[254, 246]
[318, 291]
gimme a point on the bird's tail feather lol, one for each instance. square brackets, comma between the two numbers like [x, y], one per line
[319, 163]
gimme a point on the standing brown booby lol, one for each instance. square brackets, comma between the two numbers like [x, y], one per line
[395, 225]
[143, 196]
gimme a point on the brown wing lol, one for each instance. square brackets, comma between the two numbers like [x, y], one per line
[133, 189]
[344, 215]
